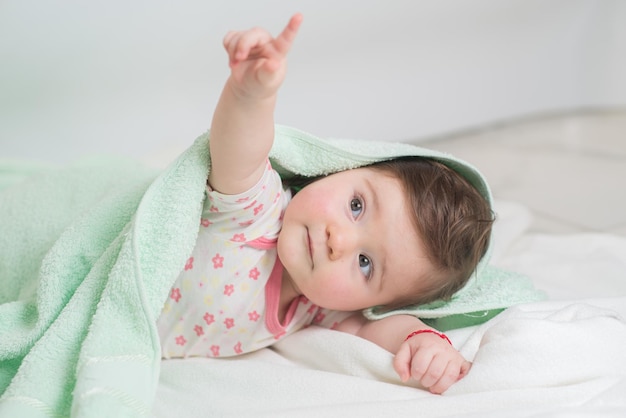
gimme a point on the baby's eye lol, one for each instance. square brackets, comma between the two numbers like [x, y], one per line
[356, 206]
[365, 265]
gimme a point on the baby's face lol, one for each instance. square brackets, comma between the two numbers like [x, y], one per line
[348, 243]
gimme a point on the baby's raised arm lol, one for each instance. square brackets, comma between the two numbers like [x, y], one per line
[242, 131]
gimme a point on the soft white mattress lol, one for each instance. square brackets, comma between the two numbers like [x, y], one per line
[562, 357]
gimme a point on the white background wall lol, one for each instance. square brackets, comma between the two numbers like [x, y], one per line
[129, 77]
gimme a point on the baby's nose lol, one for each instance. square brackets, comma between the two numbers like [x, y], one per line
[341, 240]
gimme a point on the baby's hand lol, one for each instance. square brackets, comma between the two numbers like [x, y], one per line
[258, 61]
[430, 360]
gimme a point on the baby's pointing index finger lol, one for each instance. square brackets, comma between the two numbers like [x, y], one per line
[288, 34]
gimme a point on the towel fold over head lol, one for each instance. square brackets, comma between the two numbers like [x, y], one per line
[487, 293]
[89, 253]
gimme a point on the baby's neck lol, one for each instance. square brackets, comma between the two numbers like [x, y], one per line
[288, 293]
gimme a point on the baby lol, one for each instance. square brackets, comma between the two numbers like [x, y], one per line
[272, 259]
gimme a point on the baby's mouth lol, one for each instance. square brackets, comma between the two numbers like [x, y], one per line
[309, 244]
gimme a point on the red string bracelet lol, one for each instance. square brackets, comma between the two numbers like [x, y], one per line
[430, 331]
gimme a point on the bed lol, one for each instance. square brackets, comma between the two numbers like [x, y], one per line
[95, 355]
[562, 357]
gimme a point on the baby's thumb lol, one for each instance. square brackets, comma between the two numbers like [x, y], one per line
[402, 362]
[465, 368]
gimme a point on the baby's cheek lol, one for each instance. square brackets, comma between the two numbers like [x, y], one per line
[338, 293]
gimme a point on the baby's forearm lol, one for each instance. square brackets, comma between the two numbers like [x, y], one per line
[389, 333]
[242, 132]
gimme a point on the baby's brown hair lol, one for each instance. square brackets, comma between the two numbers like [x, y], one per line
[451, 217]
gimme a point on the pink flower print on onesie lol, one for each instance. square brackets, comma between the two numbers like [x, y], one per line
[189, 264]
[250, 205]
[208, 318]
[229, 289]
[319, 317]
[258, 209]
[218, 261]
[254, 274]
[175, 294]
[238, 238]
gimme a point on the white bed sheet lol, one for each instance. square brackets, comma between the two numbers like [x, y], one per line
[565, 357]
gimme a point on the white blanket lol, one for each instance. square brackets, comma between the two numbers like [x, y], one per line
[563, 357]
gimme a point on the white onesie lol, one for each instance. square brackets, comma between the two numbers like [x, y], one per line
[225, 302]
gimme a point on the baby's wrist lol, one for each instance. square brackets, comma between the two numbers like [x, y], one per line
[254, 96]
[428, 331]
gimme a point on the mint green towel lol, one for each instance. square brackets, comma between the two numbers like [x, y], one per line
[87, 257]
